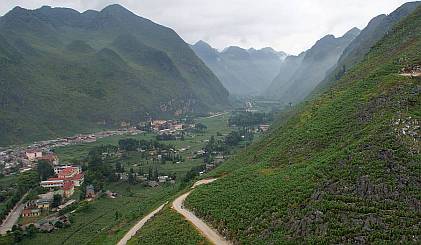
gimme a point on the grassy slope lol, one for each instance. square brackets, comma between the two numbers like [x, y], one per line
[168, 227]
[340, 170]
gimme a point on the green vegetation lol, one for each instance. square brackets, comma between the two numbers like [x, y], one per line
[343, 169]
[105, 220]
[249, 119]
[97, 223]
[168, 227]
[84, 72]
[12, 189]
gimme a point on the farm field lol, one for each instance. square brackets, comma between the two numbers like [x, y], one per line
[105, 220]
[168, 228]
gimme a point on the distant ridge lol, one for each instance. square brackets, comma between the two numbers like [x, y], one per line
[301, 74]
[242, 71]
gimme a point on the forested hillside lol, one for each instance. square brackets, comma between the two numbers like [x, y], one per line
[345, 168]
[64, 72]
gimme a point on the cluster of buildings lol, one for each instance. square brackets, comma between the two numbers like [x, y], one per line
[164, 126]
[63, 185]
[18, 158]
[68, 177]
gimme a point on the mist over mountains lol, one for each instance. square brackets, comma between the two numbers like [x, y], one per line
[299, 75]
[241, 71]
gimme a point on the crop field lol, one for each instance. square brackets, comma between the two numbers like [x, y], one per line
[105, 220]
[168, 228]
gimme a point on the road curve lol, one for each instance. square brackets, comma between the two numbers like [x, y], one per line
[139, 225]
[207, 231]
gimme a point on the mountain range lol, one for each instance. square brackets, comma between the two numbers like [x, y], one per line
[330, 58]
[241, 71]
[65, 72]
[376, 29]
[299, 75]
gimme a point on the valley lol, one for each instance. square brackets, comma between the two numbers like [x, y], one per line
[114, 129]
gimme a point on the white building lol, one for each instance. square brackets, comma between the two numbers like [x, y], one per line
[32, 155]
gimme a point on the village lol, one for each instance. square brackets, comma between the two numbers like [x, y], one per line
[154, 154]
[14, 159]
[66, 189]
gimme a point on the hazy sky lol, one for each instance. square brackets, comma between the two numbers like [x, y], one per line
[288, 25]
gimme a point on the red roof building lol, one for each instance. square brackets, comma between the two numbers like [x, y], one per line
[68, 188]
[67, 175]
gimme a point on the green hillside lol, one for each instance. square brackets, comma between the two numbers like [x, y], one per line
[64, 72]
[344, 169]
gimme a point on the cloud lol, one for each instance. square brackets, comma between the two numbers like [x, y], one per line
[291, 26]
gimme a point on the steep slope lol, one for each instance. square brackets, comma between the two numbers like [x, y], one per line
[376, 29]
[344, 169]
[241, 71]
[284, 79]
[63, 72]
[311, 70]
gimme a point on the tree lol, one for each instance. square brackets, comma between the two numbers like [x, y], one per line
[200, 127]
[57, 200]
[119, 167]
[45, 170]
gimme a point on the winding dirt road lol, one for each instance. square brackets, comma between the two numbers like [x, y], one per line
[139, 225]
[211, 234]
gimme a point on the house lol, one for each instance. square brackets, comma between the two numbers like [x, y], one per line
[68, 174]
[50, 158]
[31, 212]
[90, 192]
[59, 168]
[264, 127]
[78, 179]
[43, 203]
[52, 182]
[46, 227]
[50, 195]
[68, 189]
[32, 155]
[162, 179]
[152, 183]
[68, 203]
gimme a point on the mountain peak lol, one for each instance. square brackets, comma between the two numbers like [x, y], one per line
[202, 44]
[116, 8]
[352, 33]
